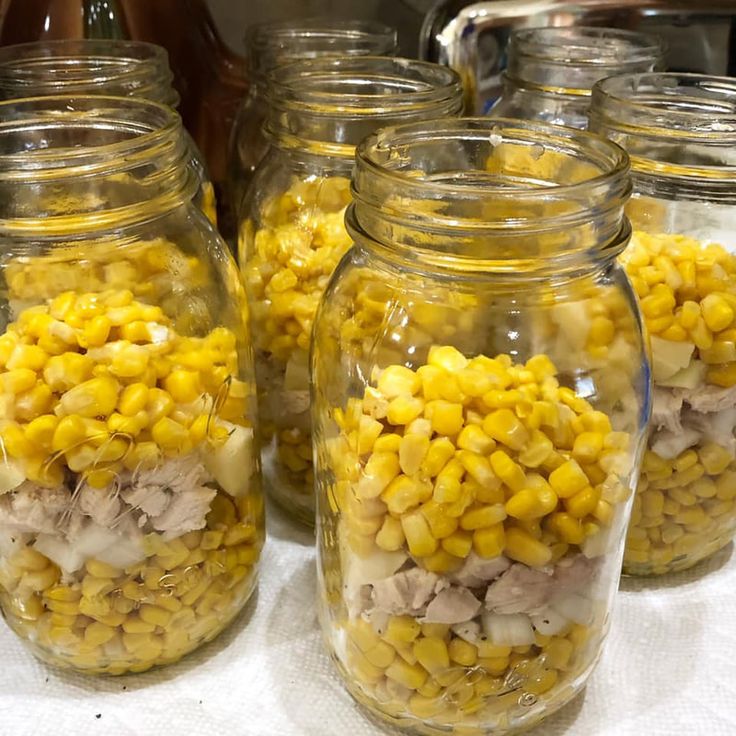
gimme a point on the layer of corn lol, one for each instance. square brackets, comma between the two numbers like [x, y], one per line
[481, 455]
[112, 621]
[95, 385]
[685, 507]
[287, 260]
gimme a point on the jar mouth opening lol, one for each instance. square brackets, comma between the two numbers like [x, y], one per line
[535, 168]
[691, 106]
[277, 43]
[60, 137]
[128, 68]
[372, 86]
[592, 46]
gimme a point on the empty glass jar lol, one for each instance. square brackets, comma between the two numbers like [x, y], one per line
[270, 45]
[107, 67]
[680, 131]
[480, 398]
[131, 516]
[551, 70]
[293, 234]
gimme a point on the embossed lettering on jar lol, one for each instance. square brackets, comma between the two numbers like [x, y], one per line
[551, 71]
[480, 398]
[294, 235]
[681, 131]
[131, 517]
[95, 67]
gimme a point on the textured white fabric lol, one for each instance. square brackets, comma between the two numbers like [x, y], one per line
[669, 668]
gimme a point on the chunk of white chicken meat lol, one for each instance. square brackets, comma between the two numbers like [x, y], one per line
[186, 512]
[453, 605]
[717, 427]
[150, 500]
[477, 571]
[708, 398]
[102, 505]
[406, 593]
[523, 589]
[31, 508]
[666, 408]
[669, 445]
[177, 474]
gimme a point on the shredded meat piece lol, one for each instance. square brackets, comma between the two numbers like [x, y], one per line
[405, 592]
[670, 444]
[31, 508]
[452, 605]
[708, 398]
[477, 571]
[666, 408]
[717, 426]
[186, 511]
[101, 504]
[150, 500]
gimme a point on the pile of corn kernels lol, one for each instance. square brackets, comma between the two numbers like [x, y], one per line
[685, 507]
[463, 455]
[93, 385]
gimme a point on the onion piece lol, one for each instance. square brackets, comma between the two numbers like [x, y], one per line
[60, 552]
[576, 607]
[468, 631]
[549, 622]
[508, 629]
[231, 463]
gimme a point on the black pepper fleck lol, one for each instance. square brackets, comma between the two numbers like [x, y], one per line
[99, 715]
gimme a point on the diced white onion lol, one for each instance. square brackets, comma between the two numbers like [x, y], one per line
[549, 622]
[508, 630]
[576, 607]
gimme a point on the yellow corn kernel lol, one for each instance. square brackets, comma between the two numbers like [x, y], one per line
[17, 381]
[531, 503]
[369, 430]
[97, 634]
[441, 562]
[587, 447]
[568, 479]
[722, 375]
[566, 527]
[401, 631]
[397, 380]
[717, 312]
[504, 427]
[447, 357]
[489, 542]
[446, 417]
[474, 439]
[438, 455]
[537, 450]
[714, 458]
[508, 471]
[418, 534]
[412, 452]
[583, 502]
[15, 442]
[159, 404]
[483, 516]
[523, 547]
[33, 403]
[404, 409]
[92, 398]
[390, 536]
[408, 675]
[41, 430]
[133, 399]
[462, 652]
[154, 615]
[388, 443]
[404, 493]
[380, 469]
[134, 425]
[27, 356]
[183, 385]
[170, 436]
[441, 524]
[458, 544]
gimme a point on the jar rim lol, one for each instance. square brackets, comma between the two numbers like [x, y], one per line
[594, 46]
[82, 66]
[151, 143]
[697, 107]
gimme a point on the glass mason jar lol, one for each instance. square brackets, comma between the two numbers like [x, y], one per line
[274, 44]
[131, 516]
[680, 133]
[480, 399]
[551, 70]
[107, 67]
[294, 233]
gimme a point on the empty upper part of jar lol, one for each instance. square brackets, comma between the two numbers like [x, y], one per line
[571, 60]
[679, 129]
[87, 66]
[328, 106]
[273, 44]
[78, 164]
[501, 196]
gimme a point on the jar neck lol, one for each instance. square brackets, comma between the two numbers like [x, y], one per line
[327, 106]
[569, 61]
[679, 130]
[271, 45]
[507, 199]
[87, 67]
[71, 166]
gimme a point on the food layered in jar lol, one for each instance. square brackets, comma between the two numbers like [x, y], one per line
[130, 509]
[685, 505]
[477, 499]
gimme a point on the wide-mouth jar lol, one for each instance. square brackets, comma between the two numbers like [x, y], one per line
[111, 67]
[293, 233]
[680, 131]
[480, 399]
[278, 43]
[551, 71]
[131, 518]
